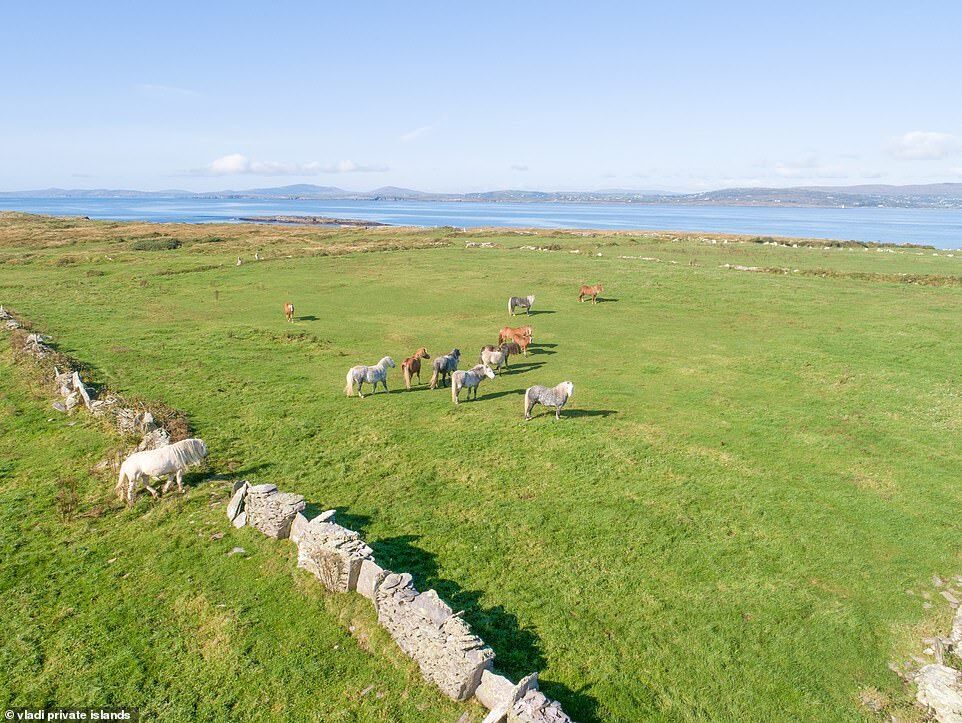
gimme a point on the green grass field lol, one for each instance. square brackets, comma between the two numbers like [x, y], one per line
[738, 517]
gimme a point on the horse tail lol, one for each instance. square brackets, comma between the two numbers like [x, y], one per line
[434, 378]
[527, 406]
[349, 385]
[509, 307]
[406, 368]
[455, 387]
[119, 489]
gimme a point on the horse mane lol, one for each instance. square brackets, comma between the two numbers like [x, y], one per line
[386, 361]
[187, 451]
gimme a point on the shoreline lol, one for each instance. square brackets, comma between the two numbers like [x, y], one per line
[533, 231]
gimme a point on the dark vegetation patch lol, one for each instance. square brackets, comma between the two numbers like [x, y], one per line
[155, 244]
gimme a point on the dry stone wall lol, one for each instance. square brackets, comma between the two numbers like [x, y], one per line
[74, 393]
[449, 655]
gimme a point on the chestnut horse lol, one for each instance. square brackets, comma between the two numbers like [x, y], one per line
[520, 337]
[591, 291]
[289, 311]
[508, 333]
[412, 366]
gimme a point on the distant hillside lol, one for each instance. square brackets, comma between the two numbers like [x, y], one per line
[935, 195]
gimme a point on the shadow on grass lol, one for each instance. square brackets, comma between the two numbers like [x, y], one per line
[535, 312]
[518, 650]
[522, 368]
[310, 317]
[574, 413]
[497, 395]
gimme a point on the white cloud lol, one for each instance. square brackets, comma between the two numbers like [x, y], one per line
[166, 91]
[925, 146]
[518, 167]
[416, 133]
[238, 164]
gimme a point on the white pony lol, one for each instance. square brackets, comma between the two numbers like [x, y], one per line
[495, 357]
[174, 459]
[372, 375]
[470, 379]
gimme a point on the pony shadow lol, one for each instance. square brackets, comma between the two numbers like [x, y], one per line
[607, 300]
[524, 367]
[539, 350]
[310, 317]
[535, 312]
[496, 395]
[518, 649]
[588, 412]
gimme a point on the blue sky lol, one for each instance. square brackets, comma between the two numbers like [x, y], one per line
[457, 96]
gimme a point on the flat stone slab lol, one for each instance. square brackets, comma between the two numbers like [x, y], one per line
[369, 578]
[497, 692]
[940, 690]
[236, 504]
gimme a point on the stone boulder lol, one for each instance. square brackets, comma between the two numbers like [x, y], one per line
[332, 553]
[940, 690]
[442, 644]
[270, 511]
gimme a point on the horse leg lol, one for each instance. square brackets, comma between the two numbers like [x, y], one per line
[131, 486]
[384, 384]
[153, 492]
[359, 392]
[180, 481]
[557, 412]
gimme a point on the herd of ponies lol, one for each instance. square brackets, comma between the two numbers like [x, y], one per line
[170, 462]
[492, 358]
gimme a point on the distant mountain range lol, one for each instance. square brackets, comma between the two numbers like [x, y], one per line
[934, 195]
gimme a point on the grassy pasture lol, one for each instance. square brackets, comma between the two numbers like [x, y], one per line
[737, 519]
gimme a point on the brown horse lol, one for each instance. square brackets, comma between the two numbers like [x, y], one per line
[412, 366]
[508, 333]
[591, 291]
[289, 311]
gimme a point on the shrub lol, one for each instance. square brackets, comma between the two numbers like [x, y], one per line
[155, 244]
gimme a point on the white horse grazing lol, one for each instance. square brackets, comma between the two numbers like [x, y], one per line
[470, 380]
[174, 459]
[372, 375]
